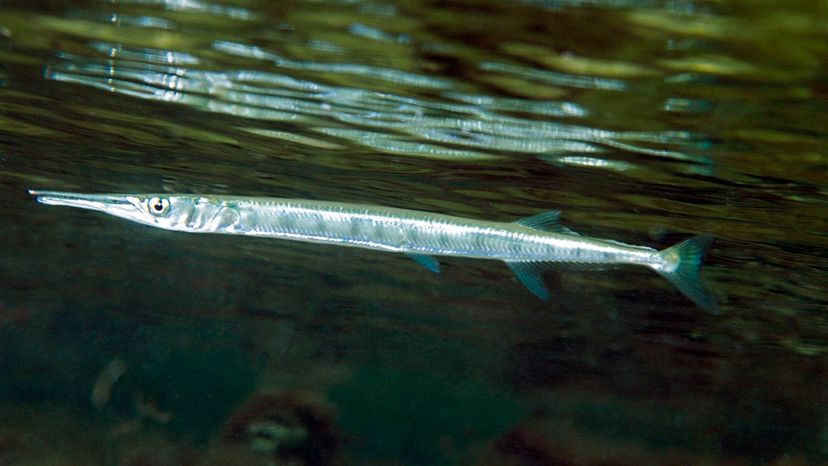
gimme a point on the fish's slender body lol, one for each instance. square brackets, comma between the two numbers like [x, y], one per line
[525, 245]
[410, 231]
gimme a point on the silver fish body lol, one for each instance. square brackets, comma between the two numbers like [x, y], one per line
[410, 231]
[525, 245]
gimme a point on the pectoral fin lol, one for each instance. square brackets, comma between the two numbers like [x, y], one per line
[426, 261]
[531, 275]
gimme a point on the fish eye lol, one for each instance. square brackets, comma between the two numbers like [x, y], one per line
[158, 206]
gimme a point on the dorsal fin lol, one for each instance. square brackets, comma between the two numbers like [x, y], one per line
[548, 221]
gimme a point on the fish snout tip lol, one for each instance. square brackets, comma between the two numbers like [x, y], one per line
[39, 192]
[36, 194]
[39, 195]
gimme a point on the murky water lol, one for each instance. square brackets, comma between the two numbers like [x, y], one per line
[643, 121]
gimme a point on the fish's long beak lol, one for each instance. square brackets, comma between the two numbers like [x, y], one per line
[100, 202]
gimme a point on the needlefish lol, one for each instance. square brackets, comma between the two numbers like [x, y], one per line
[527, 246]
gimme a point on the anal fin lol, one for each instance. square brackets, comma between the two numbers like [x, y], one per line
[426, 261]
[530, 275]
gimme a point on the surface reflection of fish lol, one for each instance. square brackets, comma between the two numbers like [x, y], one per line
[526, 245]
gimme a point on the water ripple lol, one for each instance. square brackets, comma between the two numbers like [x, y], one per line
[546, 108]
[386, 74]
[681, 6]
[167, 57]
[362, 30]
[558, 79]
[467, 126]
[198, 6]
[118, 19]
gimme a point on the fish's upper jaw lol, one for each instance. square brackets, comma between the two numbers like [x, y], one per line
[99, 202]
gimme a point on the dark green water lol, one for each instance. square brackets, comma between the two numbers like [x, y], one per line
[643, 121]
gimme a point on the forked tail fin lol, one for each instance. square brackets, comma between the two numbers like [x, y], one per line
[682, 266]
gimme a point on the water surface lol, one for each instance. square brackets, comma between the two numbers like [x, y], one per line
[643, 121]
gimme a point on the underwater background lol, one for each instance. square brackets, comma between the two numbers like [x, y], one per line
[644, 121]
